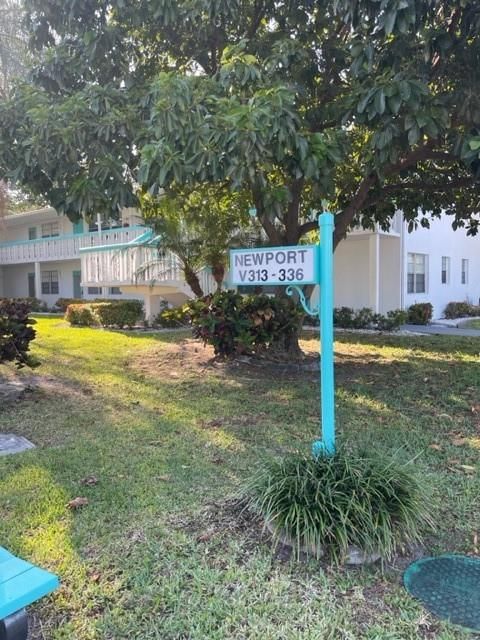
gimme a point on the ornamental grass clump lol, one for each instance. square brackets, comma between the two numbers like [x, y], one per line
[330, 504]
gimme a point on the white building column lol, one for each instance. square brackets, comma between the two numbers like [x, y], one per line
[152, 306]
[38, 280]
[374, 271]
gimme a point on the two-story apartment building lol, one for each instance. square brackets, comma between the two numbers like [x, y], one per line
[44, 255]
[40, 254]
[396, 269]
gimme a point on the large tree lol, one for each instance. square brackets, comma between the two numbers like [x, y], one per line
[370, 104]
[13, 45]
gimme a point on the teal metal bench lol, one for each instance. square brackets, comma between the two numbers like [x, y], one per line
[21, 584]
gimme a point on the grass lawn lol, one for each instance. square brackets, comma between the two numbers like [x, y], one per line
[158, 552]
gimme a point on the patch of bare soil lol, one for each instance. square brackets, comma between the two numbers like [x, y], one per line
[228, 519]
[190, 358]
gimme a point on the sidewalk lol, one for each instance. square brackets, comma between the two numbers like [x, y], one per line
[442, 329]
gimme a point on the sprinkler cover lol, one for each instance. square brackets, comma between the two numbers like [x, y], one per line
[449, 587]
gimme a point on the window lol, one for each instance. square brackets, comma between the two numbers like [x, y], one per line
[50, 282]
[417, 273]
[50, 230]
[115, 291]
[445, 270]
[32, 233]
[464, 271]
[94, 291]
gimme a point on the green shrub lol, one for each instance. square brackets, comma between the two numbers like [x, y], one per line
[363, 318]
[81, 315]
[234, 324]
[420, 313]
[347, 318]
[461, 310]
[118, 313]
[16, 333]
[35, 305]
[173, 318]
[343, 317]
[330, 503]
[392, 321]
[115, 313]
[63, 303]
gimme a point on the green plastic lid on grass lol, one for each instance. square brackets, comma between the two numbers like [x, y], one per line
[449, 587]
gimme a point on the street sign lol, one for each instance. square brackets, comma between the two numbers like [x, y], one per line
[296, 266]
[274, 265]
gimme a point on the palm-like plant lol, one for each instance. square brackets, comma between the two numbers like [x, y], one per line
[199, 225]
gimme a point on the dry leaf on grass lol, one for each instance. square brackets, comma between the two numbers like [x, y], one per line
[459, 442]
[89, 481]
[466, 468]
[77, 503]
[94, 576]
[436, 447]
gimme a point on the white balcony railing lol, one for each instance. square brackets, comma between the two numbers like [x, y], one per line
[133, 265]
[138, 265]
[64, 247]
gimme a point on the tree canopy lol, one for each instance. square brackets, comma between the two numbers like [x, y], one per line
[369, 104]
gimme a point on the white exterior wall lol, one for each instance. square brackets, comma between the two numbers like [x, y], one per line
[441, 240]
[352, 273]
[390, 282]
[17, 230]
[15, 280]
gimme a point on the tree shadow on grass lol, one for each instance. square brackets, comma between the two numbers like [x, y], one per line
[163, 445]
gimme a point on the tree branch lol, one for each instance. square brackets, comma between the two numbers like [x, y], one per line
[445, 185]
[270, 229]
[258, 15]
[291, 217]
[360, 200]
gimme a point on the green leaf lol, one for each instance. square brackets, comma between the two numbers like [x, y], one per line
[413, 135]
[380, 101]
[394, 104]
[389, 22]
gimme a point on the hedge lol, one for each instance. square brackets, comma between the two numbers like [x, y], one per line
[115, 313]
[461, 310]
[347, 318]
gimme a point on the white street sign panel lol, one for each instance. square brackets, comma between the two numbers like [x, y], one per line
[274, 265]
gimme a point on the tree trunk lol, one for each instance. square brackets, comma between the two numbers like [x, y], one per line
[192, 280]
[218, 273]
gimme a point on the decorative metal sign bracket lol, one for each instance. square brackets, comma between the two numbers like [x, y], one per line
[295, 288]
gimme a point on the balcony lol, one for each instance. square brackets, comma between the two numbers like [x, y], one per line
[139, 268]
[64, 247]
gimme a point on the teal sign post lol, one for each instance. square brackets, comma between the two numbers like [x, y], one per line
[297, 266]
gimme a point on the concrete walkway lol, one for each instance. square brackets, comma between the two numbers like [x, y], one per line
[441, 330]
